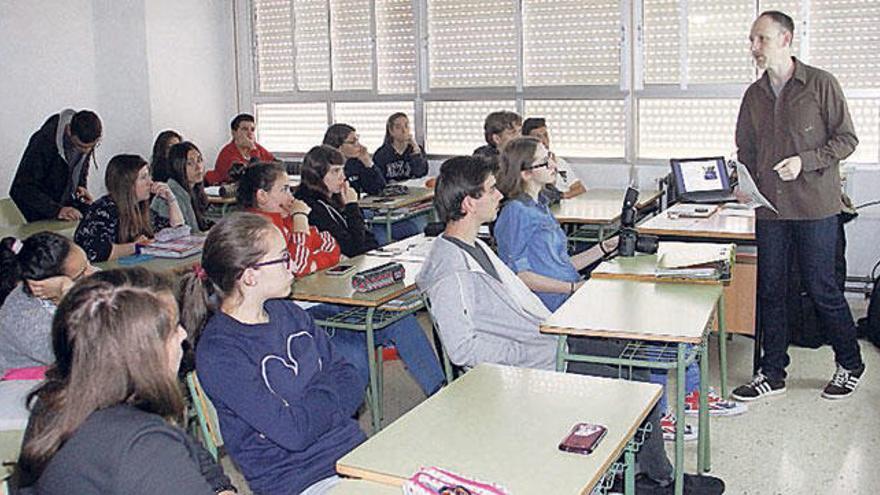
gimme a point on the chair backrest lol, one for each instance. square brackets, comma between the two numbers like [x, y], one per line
[207, 415]
[452, 371]
[9, 214]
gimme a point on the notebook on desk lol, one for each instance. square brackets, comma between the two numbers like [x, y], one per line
[702, 180]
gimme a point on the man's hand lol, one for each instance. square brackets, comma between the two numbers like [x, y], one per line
[52, 288]
[69, 213]
[84, 195]
[789, 169]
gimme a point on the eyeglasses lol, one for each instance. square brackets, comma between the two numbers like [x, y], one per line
[285, 258]
[545, 163]
[355, 141]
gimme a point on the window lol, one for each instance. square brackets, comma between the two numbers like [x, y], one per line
[617, 80]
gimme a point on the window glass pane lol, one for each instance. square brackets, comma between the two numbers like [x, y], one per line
[866, 118]
[312, 38]
[569, 42]
[369, 119]
[396, 44]
[273, 30]
[471, 44]
[676, 128]
[583, 128]
[456, 127]
[844, 40]
[291, 128]
[352, 44]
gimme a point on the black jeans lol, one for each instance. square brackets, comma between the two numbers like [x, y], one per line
[816, 241]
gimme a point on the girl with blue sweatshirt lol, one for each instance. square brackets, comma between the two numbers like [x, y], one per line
[284, 397]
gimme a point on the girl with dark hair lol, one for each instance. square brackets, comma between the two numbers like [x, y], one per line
[186, 174]
[400, 157]
[359, 169]
[284, 396]
[263, 189]
[334, 208]
[35, 274]
[159, 163]
[117, 222]
[106, 419]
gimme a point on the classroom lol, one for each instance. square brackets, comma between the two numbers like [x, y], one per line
[439, 246]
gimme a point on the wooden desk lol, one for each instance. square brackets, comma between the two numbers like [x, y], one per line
[678, 314]
[595, 214]
[361, 487]
[502, 424]
[642, 268]
[388, 211]
[366, 316]
[23, 231]
[719, 226]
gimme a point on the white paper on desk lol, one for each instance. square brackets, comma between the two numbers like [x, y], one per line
[212, 190]
[749, 188]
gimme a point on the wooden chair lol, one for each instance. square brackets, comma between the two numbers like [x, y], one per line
[9, 214]
[209, 427]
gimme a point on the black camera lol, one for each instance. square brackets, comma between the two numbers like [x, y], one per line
[630, 241]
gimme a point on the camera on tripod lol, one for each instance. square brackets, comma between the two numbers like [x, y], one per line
[631, 241]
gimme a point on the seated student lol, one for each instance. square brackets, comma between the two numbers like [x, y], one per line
[531, 242]
[243, 149]
[116, 222]
[566, 181]
[34, 275]
[400, 158]
[486, 314]
[284, 395]
[52, 177]
[263, 189]
[159, 164]
[108, 418]
[359, 169]
[186, 174]
[499, 128]
[334, 209]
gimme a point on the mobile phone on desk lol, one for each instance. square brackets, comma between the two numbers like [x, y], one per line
[339, 270]
[583, 438]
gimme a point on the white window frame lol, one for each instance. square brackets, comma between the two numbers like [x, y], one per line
[630, 90]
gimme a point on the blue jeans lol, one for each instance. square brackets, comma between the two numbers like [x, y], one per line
[691, 382]
[406, 335]
[400, 230]
[816, 242]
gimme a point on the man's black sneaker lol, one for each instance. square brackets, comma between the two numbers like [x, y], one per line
[843, 383]
[693, 485]
[760, 386]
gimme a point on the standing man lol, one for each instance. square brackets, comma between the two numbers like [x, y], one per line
[566, 181]
[243, 149]
[793, 129]
[52, 177]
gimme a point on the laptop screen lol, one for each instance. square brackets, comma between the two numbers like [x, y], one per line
[700, 174]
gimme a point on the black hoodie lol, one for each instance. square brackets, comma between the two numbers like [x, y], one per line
[345, 225]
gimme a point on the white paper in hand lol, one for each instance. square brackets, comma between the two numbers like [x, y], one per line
[748, 187]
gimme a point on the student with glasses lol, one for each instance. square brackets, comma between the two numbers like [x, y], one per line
[34, 276]
[284, 395]
[334, 208]
[186, 176]
[359, 168]
[264, 190]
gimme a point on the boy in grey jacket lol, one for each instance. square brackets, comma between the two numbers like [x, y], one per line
[486, 314]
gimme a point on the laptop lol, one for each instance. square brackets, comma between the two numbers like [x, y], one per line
[702, 180]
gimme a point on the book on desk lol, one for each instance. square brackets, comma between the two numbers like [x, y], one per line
[180, 247]
[698, 261]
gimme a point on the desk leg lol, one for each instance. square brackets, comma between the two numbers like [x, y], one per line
[560, 352]
[375, 398]
[722, 345]
[679, 415]
[629, 474]
[703, 459]
[388, 239]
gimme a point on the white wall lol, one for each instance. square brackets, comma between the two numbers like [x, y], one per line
[142, 65]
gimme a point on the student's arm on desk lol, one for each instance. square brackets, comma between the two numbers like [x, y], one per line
[452, 306]
[541, 283]
[594, 254]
